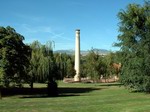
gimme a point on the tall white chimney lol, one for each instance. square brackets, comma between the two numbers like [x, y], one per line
[77, 56]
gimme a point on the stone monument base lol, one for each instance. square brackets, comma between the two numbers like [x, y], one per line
[77, 78]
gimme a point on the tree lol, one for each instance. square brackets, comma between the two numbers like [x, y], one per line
[34, 62]
[65, 65]
[113, 65]
[135, 46]
[13, 56]
[60, 60]
[94, 65]
[42, 64]
[70, 71]
[108, 60]
[83, 67]
[1, 81]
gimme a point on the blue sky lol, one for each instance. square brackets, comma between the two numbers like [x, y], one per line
[57, 20]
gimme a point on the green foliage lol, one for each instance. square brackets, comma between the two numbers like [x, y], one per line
[70, 68]
[109, 60]
[46, 66]
[42, 64]
[65, 65]
[135, 46]
[94, 65]
[1, 77]
[13, 56]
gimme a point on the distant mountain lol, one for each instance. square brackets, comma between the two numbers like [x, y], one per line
[84, 52]
[71, 52]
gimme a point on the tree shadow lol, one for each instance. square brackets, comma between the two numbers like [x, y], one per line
[73, 91]
[24, 91]
[138, 91]
[111, 84]
[42, 92]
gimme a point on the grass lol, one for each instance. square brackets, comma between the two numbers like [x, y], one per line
[80, 97]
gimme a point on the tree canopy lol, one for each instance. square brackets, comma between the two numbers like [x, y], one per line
[134, 41]
[13, 56]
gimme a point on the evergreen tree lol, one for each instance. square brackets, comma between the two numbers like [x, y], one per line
[135, 46]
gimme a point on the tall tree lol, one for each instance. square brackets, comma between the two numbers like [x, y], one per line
[94, 65]
[65, 65]
[42, 64]
[34, 62]
[1, 81]
[13, 56]
[135, 46]
[108, 60]
[70, 71]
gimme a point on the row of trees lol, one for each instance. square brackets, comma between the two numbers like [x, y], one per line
[96, 66]
[21, 63]
[46, 65]
[38, 63]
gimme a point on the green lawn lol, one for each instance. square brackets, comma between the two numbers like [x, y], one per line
[76, 97]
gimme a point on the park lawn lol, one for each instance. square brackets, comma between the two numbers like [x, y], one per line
[81, 97]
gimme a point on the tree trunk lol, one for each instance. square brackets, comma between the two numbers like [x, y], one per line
[0, 93]
[31, 84]
[52, 88]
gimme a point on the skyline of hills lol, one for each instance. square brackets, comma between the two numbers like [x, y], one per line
[84, 52]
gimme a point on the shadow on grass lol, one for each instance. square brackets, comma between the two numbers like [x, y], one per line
[72, 91]
[42, 92]
[24, 91]
[111, 84]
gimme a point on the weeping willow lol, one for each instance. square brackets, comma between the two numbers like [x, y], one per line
[42, 62]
